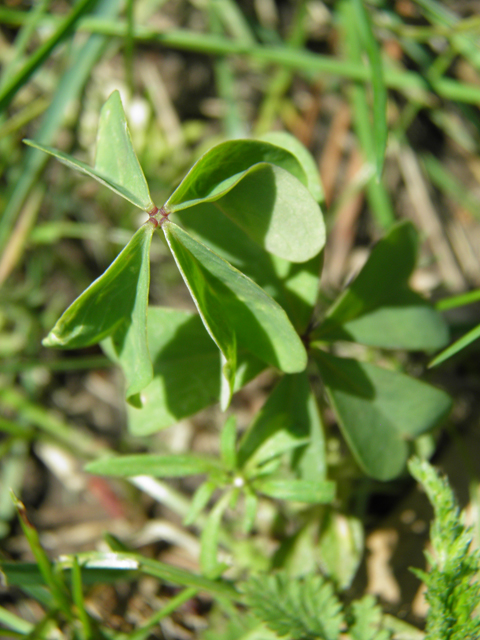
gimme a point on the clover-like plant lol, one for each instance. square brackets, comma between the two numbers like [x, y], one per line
[246, 231]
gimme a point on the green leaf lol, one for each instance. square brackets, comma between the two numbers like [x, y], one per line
[379, 411]
[226, 162]
[251, 505]
[26, 575]
[210, 535]
[292, 144]
[302, 608]
[23, 574]
[284, 423]
[379, 115]
[116, 165]
[341, 547]
[186, 369]
[115, 305]
[200, 499]
[319, 492]
[368, 620]
[267, 201]
[457, 346]
[294, 286]
[115, 158]
[277, 212]
[228, 442]
[379, 309]
[157, 466]
[235, 311]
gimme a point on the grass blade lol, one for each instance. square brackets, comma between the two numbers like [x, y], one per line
[77, 593]
[380, 129]
[12, 85]
[457, 346]
[377, 194]
[458, 301]
[13, 622]
[53, 580]
[23, 38]
[305, 62]
[210, 535]
[448, 184]
[182, 597]
[68, 90]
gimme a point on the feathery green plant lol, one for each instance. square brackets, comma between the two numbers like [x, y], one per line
[453, 589]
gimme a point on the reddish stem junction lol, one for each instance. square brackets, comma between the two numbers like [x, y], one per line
[158, 216]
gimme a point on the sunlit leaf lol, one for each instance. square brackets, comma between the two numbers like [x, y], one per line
[187, 370]
[320, 492]
[115, 306]
[288, 420]
[379, 309]
[294, 286]
[116, 165]
[115, 157]
[157, 466]
[227, 162]
[265, 199]
[234, 309]
[292, 144]
[379, 411]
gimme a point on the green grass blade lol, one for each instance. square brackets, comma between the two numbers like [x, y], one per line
[52, 579]
[210, 534]
[282, 78]
[380, 128]
[68, 90]
[318, 492]
[457, 346]
[458, 301]
[448, 184]
[233, 21]
[144, 631]
[233, 123]
[78, 599]
[71, 364]
[14, 623]
[12, 85]
[129, 43]
[464, 44]
[12, 474]
[305, 62]
[228, 441]
[34, 414]
[176, 575]
[23, 38]
[377, 194]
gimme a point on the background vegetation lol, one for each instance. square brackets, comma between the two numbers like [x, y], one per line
[192, 74]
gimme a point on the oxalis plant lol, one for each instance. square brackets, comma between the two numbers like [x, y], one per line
[246, 231]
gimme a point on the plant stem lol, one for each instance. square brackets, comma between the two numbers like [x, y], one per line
[299, 60]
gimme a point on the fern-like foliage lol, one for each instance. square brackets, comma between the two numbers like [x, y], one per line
[301, 608]
[367, 621]
[453, 592]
